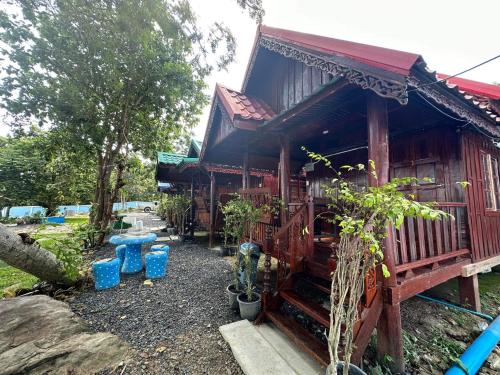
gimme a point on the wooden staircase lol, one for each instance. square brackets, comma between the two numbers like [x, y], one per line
[303, 283]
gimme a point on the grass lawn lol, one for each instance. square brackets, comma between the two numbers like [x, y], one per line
[12, 276]
[76, 220]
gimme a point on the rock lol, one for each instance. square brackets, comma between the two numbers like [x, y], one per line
[493, 361]
[458, 333]
[11, 291]
[40, 335]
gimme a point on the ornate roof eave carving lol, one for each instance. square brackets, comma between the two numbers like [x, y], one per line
[462, 110]
[385, 87]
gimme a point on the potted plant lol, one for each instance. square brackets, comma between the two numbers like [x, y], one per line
[363, 215]
[249, 300]
[180, 206]
[351, 370]
[234, 228]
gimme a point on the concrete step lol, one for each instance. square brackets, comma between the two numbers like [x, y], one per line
[264, 349]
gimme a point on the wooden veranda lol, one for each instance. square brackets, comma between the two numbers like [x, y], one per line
[354, 103]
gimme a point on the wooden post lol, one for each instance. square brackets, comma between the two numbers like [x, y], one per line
[192, 207]
[389, 330]
[268, 249]
[285, 177]
[378, 139]
[310, 217]
[245, 180]
[212, 210]
[468, 288]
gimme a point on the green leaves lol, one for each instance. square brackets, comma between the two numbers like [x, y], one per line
[34, 170]
[463, 184]
[66, 247]
[385, 271]
[364, 213]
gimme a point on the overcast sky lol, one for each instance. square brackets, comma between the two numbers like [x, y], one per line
[451, 35]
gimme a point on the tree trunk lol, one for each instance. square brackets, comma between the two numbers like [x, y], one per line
[32, 259]
[99, 218]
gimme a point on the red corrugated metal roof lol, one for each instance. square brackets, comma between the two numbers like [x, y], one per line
[385, 58]
[243, 106]
[473, 87]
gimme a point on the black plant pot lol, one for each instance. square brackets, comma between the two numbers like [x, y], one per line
[232, 295]
[353, 370]
[226, 251]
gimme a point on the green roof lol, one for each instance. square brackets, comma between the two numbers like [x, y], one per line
[197, 144]
[196, 147]
[186, 161]
[168, 158]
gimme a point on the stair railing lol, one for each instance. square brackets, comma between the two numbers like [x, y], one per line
[293, 241]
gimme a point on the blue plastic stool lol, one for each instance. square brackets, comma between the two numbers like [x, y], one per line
[106, 273]
[156, 264]
[133, 259]
[166, 249]
[120, 253]
[156, 247]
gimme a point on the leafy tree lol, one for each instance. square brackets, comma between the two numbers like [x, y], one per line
[34, 171]
[139, 180]
[111, 76]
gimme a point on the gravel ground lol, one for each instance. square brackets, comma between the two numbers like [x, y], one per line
[173, 324]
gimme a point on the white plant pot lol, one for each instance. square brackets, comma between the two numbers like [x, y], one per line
[249, 310]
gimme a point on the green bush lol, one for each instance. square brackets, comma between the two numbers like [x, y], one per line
[8, 220]
[87, 235]
[174, 209]
[67, 247]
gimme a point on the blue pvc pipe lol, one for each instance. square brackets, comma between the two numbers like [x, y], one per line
[458, 308]
[476, 354]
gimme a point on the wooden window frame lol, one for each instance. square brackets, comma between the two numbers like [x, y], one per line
[493, 182]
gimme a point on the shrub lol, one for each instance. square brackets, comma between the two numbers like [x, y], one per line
[66, 247]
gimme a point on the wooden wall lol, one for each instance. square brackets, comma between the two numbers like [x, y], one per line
[221, 127]
[322, 175]
[286, 82]
[484, 224]
[435, 154]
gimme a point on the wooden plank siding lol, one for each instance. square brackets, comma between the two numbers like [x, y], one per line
[484, 223]
[423, 242]
[291, 83]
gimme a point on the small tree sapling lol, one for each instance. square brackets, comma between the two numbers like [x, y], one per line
[363, 215]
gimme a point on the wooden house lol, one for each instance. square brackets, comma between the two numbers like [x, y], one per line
[354, 102]
[208, 184]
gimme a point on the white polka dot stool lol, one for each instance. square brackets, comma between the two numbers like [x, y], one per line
[106, 273]
[156, 247]
[156, 264]
[120, 253]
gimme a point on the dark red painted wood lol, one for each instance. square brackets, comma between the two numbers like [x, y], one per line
[484, 224]
[309, 307]
[468, 288]
[302, 338]
[431, 260]
[421, 238]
